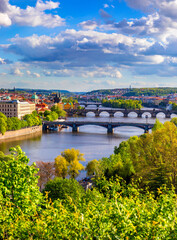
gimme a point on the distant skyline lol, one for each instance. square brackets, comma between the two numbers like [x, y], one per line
[85, 45]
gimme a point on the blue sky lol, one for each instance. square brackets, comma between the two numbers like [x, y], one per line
[83, 45]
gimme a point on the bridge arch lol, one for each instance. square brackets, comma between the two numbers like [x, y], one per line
[129, 130]
[104, 113]
[132, 113]
[146, 114]
[91, 105]
[173, 115]
[160, 114]
[118, 114]
[90, 113]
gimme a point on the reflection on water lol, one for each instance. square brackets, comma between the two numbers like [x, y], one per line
[93, 141]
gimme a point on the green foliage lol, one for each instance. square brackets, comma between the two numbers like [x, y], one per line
[157, 125]
[18, 182]
[68, 163]
[174, 106]
[60, 188]
[58, 111]
[32, 119]
[46, 113]
[174, 120]
[16, 123]
[112, 210]
[13, 123]
[93, 168]
[2, 126]
[125, 213]
[3, 123]
[150, 91]
[121, 103]
[153, 156]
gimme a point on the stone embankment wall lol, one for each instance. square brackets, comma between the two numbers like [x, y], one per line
[21, 132]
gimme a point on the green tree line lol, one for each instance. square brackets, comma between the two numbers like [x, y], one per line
[54, 114]
[112, 210]
[13, 123]
[150, 91]
[121, 103]
[150, 158]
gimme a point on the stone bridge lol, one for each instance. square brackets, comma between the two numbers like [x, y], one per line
[86, 104]
[108, 125]
[125, 112]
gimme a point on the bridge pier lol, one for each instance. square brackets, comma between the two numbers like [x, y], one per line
[44, 127]
[153, 115]
[75, 128]
[125, 114]
[110, 129]
[139, 115]
[111, 115]
[146, 129]
[84, 114]
[97, 114]
[168, 115]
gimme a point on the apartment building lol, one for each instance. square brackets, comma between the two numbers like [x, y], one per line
[16, 108]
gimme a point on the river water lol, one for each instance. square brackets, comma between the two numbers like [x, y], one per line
[93, 141]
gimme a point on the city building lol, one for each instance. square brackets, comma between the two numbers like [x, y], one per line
[16, 108]
[57, 98]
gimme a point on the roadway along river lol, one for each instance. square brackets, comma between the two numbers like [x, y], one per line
[93, 141]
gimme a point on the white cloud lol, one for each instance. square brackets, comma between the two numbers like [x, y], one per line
[88, 25]
[29, 73]
[36, 75]
[16, 72]
[5, 20]
[2, 61]
[31, 16]
[84, 72]
[3, 74]
[105, 5]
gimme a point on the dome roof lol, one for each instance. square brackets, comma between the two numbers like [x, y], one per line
[34, 96]
[8, 98]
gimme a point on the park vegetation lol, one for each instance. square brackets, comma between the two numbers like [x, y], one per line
[174, 106]
[133, 195]
[55, 113]
[13, 123]
[121, 103]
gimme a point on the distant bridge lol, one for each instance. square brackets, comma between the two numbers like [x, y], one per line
[125, 112]
[108, 125]
[86, 104]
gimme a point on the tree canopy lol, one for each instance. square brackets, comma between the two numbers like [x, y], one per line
[121, 103]
[68, 163]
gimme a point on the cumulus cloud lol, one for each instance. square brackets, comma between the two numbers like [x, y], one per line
[78, 48]
[89, 53]
[84, 72]
[2, 61]
[88, 25]
[160, 20]
[16, 72]
[3, 74]
[31, 16]
[105, 5]
[5, 20]
[29, 73]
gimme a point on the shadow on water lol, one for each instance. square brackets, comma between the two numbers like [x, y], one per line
[8, 143]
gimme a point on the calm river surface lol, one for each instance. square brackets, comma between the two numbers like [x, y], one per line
[93, 141]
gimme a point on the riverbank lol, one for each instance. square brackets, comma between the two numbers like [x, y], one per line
[22, 132]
